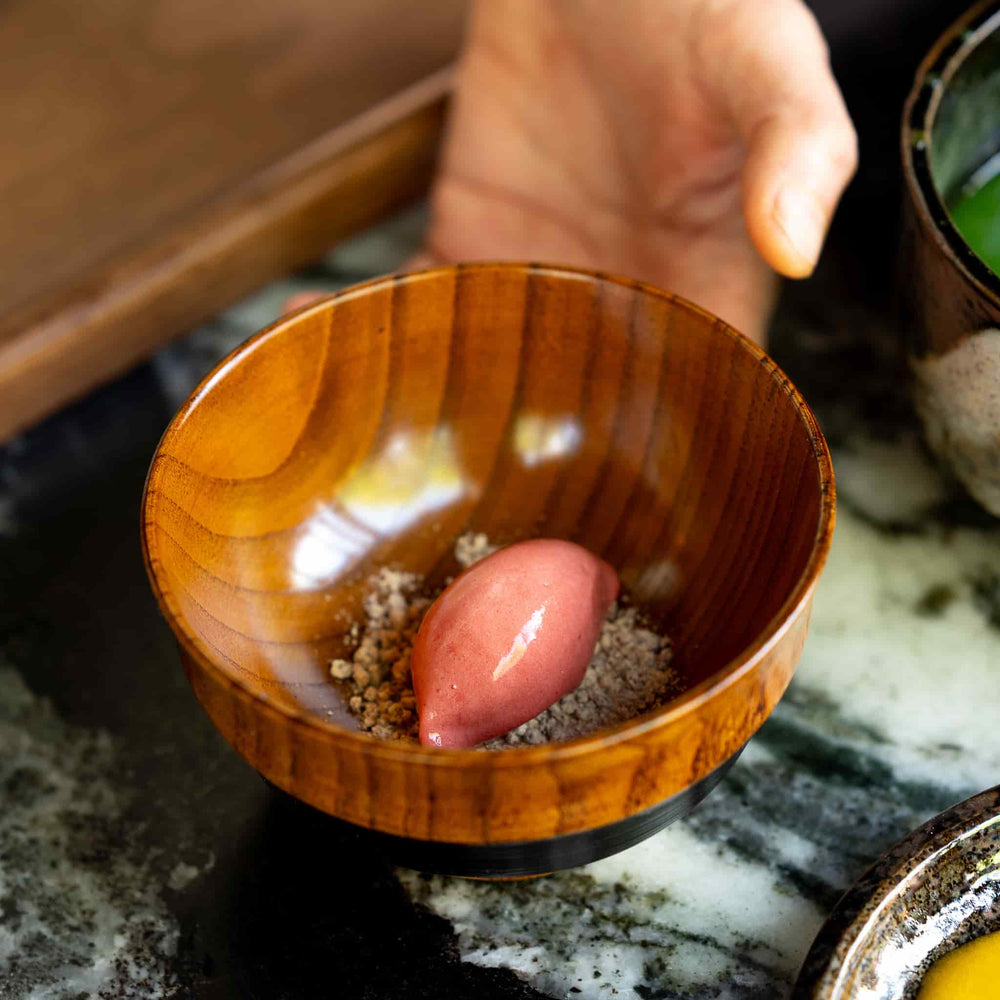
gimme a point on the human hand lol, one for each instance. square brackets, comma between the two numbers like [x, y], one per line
[695, 144]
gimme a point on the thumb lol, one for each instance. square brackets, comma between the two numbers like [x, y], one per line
[801, 145]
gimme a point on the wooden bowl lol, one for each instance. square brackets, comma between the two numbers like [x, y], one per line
[936, 889]
[519, 400]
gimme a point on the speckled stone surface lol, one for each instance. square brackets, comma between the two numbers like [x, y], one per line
[140, 857]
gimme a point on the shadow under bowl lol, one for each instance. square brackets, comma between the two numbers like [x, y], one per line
[936, 889]
[376, 426]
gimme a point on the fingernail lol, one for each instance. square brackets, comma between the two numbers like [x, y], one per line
[802, 222]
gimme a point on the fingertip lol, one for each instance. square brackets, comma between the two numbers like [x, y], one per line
[800, 224]
[794, 178]
[785, 234]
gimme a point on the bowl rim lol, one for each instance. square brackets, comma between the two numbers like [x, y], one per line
[853, 919]
[601, 739]
[945, 57]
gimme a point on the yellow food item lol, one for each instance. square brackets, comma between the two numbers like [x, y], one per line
[971, 972]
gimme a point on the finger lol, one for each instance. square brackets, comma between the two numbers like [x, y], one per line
[794, 179]
[300, 300]
[801, 145]
[726, 277]
[420, 260]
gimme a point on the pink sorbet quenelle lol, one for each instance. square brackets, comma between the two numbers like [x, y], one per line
[508, 637]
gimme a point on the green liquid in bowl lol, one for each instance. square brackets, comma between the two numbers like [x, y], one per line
[976, 215]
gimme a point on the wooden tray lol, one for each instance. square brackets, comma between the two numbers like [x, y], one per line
[159, 160]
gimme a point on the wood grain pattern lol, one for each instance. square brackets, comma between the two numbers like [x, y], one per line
[159, 160]
[519, 400]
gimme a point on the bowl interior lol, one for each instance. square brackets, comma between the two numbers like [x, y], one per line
[965, 120]
[375, 427]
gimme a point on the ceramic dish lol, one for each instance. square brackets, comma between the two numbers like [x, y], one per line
[951, 297]
[935, 890]
[376, 426]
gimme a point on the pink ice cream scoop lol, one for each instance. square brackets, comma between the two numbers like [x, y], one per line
[509, 637]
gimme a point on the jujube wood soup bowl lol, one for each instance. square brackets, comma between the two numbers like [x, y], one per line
[376, 426]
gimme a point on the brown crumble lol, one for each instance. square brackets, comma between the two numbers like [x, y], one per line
[471, 547]
[628, 674]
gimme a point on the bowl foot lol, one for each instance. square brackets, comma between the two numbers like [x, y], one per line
[529, 858]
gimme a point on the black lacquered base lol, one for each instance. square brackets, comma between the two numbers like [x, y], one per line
[521, 859]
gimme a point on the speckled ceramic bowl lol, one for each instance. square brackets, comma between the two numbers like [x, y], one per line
[935, 890]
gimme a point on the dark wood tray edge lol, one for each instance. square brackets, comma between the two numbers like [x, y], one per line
[289, 214]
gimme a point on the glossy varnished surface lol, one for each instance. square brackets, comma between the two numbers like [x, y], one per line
[950, 294]
[951, 297]
[376, 426]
